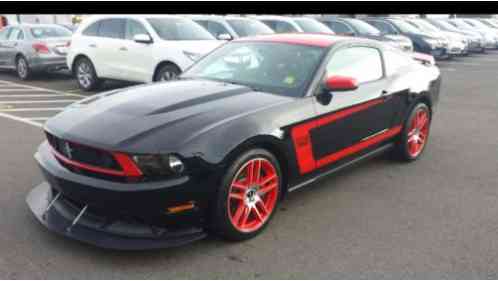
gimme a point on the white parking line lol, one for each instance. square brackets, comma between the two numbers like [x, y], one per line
[22, 90]
[24, 120]
[43, 89]
[30, 96]
[38, 118]
[36, 101]
[32, 109]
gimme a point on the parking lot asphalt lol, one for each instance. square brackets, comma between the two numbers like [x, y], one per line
[435, 218]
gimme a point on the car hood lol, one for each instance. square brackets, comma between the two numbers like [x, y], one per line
[194, 46]
[144, 118]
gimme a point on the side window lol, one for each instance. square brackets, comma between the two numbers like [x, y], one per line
[92, 30]
[394, 61]
[112, 28]
[282, 27]
[339, 27]
[362, 63]
[15, 33]
[384, 27]
[133, 28]
[270, 24]
[4, 33]
[216, 28]
[203, 23]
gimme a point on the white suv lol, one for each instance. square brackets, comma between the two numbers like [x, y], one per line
[136, 48]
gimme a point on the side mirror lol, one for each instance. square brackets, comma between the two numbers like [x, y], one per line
[142, 38]
[224, 36]
[340, 83]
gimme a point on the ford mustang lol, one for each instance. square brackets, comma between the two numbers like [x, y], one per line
[216, 150]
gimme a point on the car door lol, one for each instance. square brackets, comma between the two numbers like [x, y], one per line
[109, 47]
[10, 47]
[4, 33]
[136, 59]
[353, 118]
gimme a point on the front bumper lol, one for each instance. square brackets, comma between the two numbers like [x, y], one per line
[58, 214]
[139, 210]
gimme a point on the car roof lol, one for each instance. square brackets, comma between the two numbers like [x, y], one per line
[282, 18]
[309, 39]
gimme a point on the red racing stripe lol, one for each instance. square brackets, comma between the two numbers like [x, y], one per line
[302, 140]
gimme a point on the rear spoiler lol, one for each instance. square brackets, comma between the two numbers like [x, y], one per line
[424, 58]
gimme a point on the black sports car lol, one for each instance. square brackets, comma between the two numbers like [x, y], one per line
[159, 165]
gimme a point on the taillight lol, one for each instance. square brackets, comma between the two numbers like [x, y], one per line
[41, 48]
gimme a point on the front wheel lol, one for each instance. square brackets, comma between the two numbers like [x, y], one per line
[167, 72]
[86, 75]
[23, 70]
[415, 133]
[249, 195]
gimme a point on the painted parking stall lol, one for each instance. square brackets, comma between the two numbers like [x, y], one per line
[32, 105]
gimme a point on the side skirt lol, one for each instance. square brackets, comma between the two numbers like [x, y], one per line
[366, 156]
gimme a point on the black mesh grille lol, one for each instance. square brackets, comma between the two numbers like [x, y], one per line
[83, 154]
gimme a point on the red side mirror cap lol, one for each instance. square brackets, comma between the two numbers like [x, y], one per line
[341, 83]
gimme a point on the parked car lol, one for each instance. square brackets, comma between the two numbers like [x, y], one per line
[136, 48]
[162, 164]
[359, 28]
[281, 24]
[231, 27]
[489, 37]
[476, 40]
[457, 44]
[30, 49]
[489, 23]
[422, 43]
[70, 27]
[481, 26]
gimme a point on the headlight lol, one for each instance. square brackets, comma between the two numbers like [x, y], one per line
[192, 56]
[154, 165]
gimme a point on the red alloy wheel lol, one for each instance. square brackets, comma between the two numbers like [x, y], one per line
[253, 195]
[418, 132]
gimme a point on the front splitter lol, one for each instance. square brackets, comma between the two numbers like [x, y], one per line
[42, 206]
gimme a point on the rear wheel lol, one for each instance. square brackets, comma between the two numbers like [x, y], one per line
[415, 133]
[249, 195]
[86, 75]
[23, 70]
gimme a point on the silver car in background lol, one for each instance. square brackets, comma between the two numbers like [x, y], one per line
[32, 48]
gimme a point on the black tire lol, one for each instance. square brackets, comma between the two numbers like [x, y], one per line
[403, 150]
[23, 70]
[86, 76]
[221, 220]
[167, 72]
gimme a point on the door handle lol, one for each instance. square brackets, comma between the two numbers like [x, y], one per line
[123, 49]
[92, 45]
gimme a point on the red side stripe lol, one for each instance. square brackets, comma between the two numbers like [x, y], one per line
[357, 147]
[304, 149]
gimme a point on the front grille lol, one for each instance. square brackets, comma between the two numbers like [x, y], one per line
[83, 154]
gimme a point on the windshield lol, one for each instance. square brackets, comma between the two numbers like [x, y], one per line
[446, 25]
[461, 24]
[477, 23]
[247, 27]
[425, 25]
[179, 29]
[310, 25]
[405, 27]
[278, 68]
[363, 27]
[489, 23]
[41, 32]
